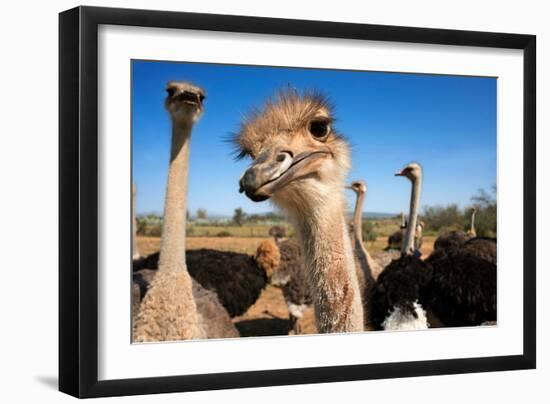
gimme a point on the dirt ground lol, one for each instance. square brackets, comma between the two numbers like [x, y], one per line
[269, 315]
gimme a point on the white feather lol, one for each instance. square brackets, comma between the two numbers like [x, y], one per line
[400, 320]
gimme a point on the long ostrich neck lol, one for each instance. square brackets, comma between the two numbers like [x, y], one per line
[365, 260]
[408, 245]
[330, 264]
[472, 222]
[135, 250]
[172, 246]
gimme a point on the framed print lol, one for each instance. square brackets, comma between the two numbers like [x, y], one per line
[251, 201]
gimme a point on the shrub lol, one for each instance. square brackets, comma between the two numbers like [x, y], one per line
[223, 234]
[486, 218]
[442, 219]
[368, 231]
[449, 217]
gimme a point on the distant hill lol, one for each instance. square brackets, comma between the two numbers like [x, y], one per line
[378, 215]
[222, 217]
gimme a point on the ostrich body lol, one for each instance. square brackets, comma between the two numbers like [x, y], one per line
[451, 240]
[237, 278]
[482, 247]
[395, 240]
[291, 276]
[398, 293]
[462, 291]
[456, 238]
[169, 309]
[300, 162]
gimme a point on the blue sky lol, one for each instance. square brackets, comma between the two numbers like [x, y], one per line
[446, 123]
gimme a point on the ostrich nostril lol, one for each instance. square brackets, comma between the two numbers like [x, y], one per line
[282, 156]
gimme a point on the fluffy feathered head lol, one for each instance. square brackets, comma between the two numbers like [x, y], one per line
[297, 154]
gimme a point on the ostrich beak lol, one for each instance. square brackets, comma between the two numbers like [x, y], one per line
[272, 171]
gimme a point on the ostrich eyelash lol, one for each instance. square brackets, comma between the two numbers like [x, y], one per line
[240, 154]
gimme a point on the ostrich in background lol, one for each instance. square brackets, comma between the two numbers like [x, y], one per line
[292, 278]
[169, 309]
[472, 231]
[300, 162]
[378, 259]
[289, 275]
[395, 240]
[482, 247]
[463, 288]
[398, 293]
[457, 238]
[135, 251]
[369, 267]
[238, 279]
[455, 286]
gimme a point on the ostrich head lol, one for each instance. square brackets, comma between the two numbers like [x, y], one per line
[413, 171]
[184, 102]
[359, 187]
[298, 157]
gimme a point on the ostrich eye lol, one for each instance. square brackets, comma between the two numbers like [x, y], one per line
[202, 97]
[319, 128]
[171, 91]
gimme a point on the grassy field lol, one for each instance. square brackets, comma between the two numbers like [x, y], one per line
[247, 230]
[382, 228]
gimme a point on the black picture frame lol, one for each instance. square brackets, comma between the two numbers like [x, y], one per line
[78, 201]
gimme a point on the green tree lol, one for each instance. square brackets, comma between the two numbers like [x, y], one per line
[443, 218]
[486, 217]
[202, 214]
[239, 216]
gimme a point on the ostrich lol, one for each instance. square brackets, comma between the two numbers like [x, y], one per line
[378, 260]
[396, 239]
[300, 162]
[278, 233]
[398, 292]
[456, 238]
[418, 237]
[455, 286]
[169, 309]
[462, 289]
[450, 240]
[482, 247]
[238, 279]
[135, 251]
[368, 265]
[472, 231]
[290, 276]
